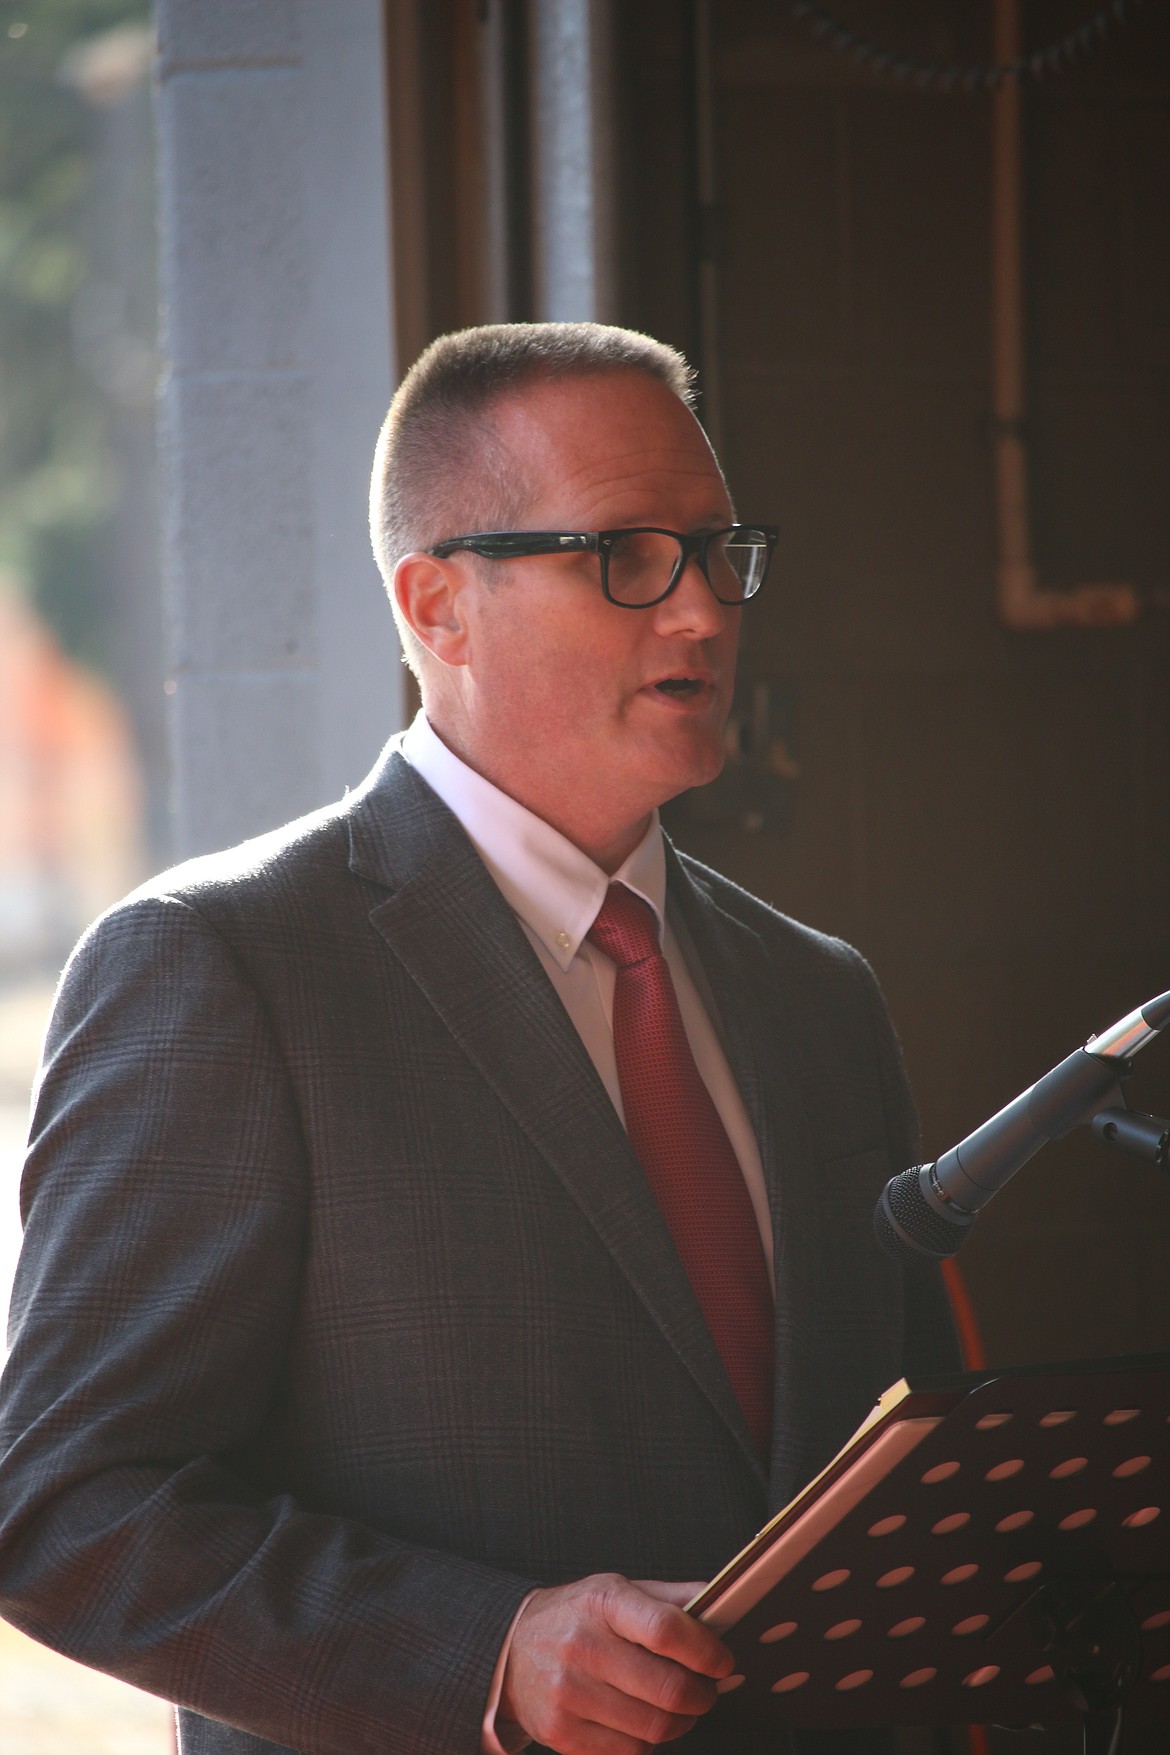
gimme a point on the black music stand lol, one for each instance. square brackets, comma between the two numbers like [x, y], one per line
[993, 1549]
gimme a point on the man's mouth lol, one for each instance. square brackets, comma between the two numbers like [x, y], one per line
[680, 686]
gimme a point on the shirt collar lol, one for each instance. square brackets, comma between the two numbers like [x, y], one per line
[555, 888]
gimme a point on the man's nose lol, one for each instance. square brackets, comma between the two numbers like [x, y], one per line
[692, 606]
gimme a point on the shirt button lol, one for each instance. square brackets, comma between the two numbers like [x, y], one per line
[563, 940]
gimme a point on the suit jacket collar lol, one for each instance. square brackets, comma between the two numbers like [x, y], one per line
[447, 923]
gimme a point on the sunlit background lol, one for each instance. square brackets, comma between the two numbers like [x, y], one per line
[82, 758]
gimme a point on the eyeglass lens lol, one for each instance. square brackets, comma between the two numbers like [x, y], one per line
[642, 564]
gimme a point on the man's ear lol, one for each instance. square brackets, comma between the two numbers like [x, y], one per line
[427, 591]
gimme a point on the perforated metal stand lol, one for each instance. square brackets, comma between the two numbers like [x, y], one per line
[995, 1550]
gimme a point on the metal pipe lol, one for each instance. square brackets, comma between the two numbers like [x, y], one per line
[574, 218]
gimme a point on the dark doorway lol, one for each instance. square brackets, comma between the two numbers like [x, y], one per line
[983, 811]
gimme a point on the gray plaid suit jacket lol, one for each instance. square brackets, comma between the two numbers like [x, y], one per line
[345, 1314]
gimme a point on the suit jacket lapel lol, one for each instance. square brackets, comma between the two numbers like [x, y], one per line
[757, 1030]
[448, 925]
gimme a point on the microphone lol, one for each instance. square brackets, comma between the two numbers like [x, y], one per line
[929, 1209]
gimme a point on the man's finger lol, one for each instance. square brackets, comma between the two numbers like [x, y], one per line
[610, 1706]
[660, 1626]
[603, 1658]
[678, 1594]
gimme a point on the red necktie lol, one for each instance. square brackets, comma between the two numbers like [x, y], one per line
[682, 1146]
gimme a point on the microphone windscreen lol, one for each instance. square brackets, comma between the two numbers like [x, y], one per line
[908, 1227]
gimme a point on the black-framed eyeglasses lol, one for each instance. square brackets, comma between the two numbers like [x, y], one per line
[640, 565]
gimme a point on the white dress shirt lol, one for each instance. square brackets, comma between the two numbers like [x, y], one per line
[556, 891]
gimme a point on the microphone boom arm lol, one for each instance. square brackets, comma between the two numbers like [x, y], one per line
[970, 1173]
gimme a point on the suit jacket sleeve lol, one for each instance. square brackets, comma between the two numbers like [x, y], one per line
[164, 1207]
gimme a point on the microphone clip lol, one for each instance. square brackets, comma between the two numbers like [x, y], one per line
[1128, 1130]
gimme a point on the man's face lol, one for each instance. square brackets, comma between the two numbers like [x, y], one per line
[588, 713]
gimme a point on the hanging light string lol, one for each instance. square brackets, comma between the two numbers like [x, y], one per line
[1056, 57]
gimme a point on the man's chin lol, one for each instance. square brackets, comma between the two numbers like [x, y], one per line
[699, 770]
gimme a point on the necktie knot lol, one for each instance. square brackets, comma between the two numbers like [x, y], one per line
[625, 928]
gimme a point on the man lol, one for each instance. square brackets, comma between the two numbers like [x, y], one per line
[362, 1356]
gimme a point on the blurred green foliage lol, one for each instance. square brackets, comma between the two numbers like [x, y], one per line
[59, 483]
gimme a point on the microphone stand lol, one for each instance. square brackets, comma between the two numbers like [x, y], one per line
[1093, 1645]
[1090, 1634]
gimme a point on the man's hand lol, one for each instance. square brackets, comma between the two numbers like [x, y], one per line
[607, 1667]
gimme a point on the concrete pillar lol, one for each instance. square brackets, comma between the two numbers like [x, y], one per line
[277, 369]
[575, 242]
